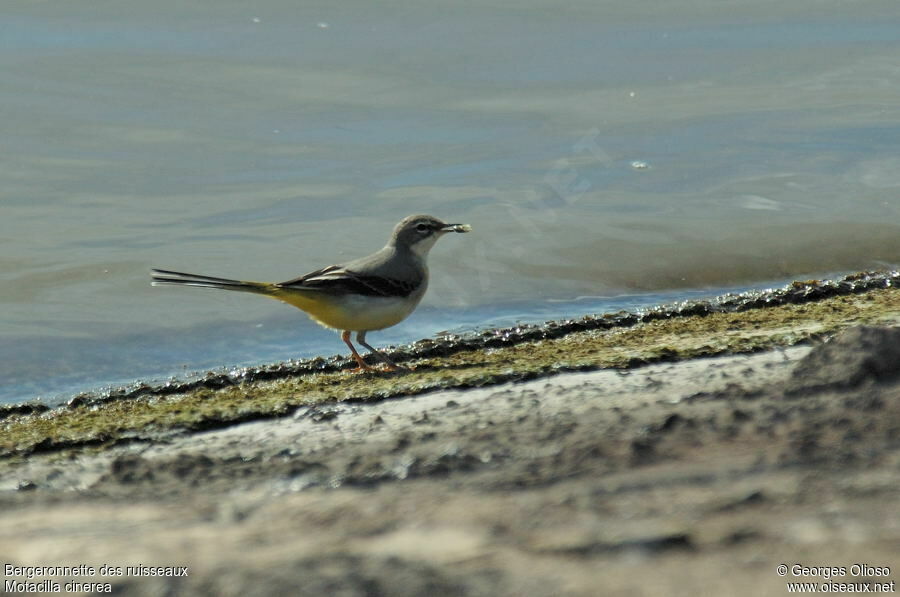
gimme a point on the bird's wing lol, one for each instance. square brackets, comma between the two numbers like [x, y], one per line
[337, 279]
[312, 275]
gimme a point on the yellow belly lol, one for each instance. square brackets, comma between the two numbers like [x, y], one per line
[354, 313]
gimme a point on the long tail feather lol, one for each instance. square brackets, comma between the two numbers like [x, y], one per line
[162, 277]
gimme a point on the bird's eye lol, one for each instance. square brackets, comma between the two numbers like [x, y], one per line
[423, 227]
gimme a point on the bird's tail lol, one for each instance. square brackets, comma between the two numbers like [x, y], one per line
[162, 277]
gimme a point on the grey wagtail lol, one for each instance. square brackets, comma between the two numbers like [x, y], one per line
[363, 295]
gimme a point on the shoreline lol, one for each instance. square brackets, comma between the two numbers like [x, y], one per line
[729, 324]
[793, 293]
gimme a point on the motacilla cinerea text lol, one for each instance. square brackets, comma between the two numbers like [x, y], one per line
[363, 295]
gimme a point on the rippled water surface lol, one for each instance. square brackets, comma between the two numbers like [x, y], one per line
[627, 151]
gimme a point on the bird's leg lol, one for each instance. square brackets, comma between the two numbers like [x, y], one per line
[391, 365]
[362, 366]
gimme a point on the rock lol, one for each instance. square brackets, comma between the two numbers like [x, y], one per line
[854, 356]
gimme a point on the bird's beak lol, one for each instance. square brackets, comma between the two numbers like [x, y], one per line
[456, 228]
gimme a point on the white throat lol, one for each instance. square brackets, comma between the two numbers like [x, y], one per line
[421, 248]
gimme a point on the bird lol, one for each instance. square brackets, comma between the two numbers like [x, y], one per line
[364, 295]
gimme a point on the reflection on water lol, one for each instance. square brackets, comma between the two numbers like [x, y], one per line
[263, 141]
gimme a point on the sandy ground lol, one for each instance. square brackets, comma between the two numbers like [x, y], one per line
[693, 478]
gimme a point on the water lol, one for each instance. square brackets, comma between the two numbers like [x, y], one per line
[639, 151]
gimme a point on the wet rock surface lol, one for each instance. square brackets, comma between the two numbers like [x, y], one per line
[799, 292]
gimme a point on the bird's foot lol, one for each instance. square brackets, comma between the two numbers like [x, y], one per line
[389, 365]
[361, 365]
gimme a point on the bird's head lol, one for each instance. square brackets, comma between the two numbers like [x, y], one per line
[419, 233]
